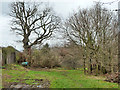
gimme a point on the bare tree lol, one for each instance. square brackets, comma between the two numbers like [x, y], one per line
[33, 23]
[92, 29]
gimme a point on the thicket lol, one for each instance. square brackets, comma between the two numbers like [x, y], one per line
[44, 57]
[68, 56]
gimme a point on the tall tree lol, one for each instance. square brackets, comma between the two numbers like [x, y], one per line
[33, 22]
[92, 28]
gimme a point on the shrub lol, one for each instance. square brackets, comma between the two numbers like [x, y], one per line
[44, 58]
[70, 62]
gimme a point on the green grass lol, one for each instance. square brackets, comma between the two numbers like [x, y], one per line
[59, 78]
[0, 78]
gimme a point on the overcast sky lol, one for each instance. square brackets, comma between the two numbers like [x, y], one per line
[62, 7]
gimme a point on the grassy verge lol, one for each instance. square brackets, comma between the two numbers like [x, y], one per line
[59, 78]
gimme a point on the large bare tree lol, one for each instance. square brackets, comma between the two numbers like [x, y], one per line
[33, 22]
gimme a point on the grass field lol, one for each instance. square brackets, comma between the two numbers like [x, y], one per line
[58, 78]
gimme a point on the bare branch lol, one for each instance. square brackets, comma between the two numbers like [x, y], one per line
[31, 21]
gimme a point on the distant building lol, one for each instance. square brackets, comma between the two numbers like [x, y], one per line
[7, 55]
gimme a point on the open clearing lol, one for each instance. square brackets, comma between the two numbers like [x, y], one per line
[52, 78]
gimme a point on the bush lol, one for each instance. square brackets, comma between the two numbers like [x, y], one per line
[70, 62]
[21, 58]
[44, 58]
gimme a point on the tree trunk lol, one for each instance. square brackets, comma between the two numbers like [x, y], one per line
[27, 52]
[90, 63]
[84, 64]
[90, 67]
[97, 69]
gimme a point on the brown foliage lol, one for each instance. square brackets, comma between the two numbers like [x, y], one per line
[44, 58]
[113, 77]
